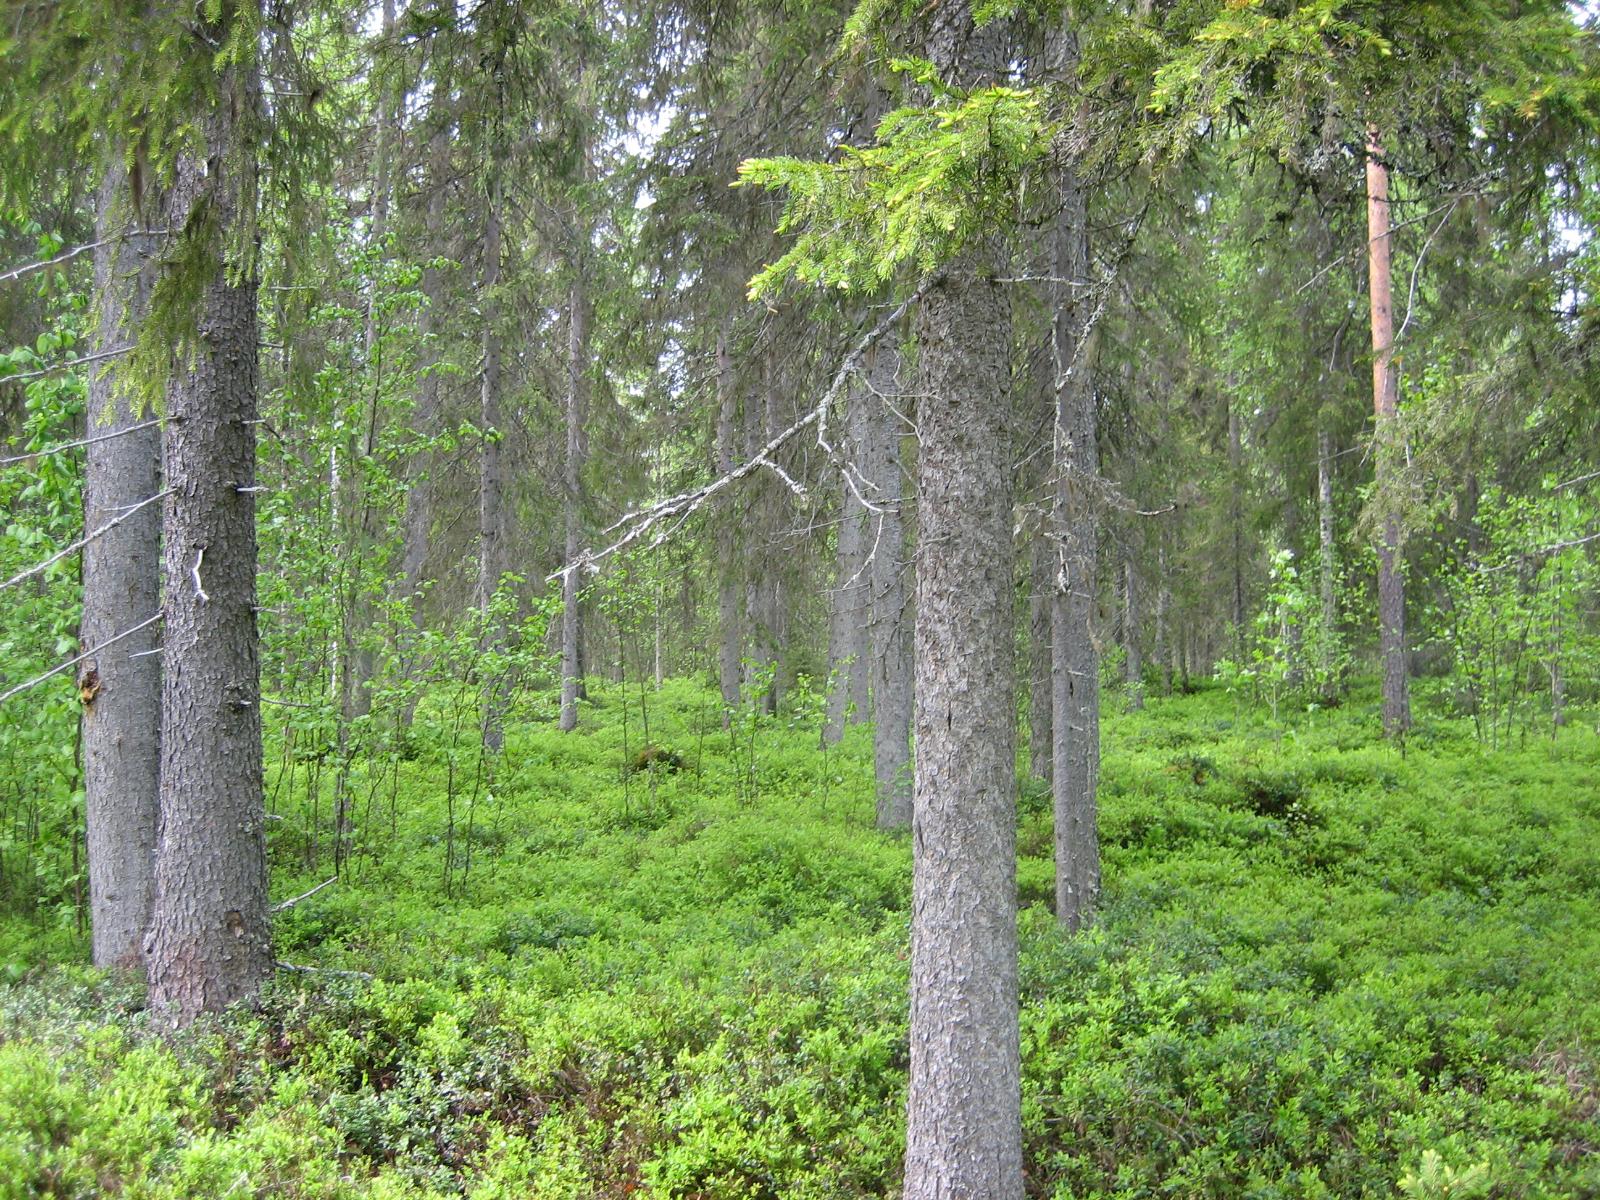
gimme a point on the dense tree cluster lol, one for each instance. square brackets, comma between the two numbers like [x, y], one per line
[942, 362]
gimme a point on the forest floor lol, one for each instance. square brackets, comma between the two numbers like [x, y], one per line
[1322, 969]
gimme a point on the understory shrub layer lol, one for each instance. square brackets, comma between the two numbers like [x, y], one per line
[1323, 968]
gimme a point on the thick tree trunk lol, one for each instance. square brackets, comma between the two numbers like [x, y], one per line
[209, 943]
[491, 504]
[964, 1134]
[572, 495]
[1074, 660]
[887, 624]
[1328, 563]
[1385, 399]
[121, 686]
[728, 624]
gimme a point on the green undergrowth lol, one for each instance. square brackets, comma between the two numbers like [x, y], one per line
[1323, 969]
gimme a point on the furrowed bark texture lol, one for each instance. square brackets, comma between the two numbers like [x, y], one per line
[209, 943]
[1074, 659]
[1385, 398]
[964, 1136]
[121, 686]
[572, 498]
[888, 625]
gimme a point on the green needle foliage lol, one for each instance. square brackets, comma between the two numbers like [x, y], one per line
[937, 178]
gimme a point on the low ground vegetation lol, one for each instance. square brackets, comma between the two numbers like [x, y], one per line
[1324, 969]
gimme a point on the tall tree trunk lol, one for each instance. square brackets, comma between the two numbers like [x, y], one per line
[767, 612]
[1041, 591]
[887, 625]
[728, 624]
[847, 627]
[210, 943]
[572, 493]
[491, 503]
[1554, 663]
[1385, 399]
[360, 661]
[430, 323]
[1074, 659]
[1328, 563]
[964, 1134]
[1163, 642]
[121, 686]
[1132, 618]
[756, 550]
[1236, 525]
[1044, 545]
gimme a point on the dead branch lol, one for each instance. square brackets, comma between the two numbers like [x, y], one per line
[287, 904]
[666, 517]
[72, 662]
[82, 542]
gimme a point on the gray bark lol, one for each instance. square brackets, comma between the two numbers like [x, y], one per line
[765, 522]
[771, 507]
[888, 627]
[964, 1135]
[1163, 636]
[209, 943]
[1041, 590]
[1328, 561]
[728, 623]
[491, 507]
[121, 687]
[850, 599]
[1074, 656]
[1385, 400]
[1132, 618]
[572, 494]
[1236, 526]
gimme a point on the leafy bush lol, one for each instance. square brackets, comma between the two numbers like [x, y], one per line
[1391, 991]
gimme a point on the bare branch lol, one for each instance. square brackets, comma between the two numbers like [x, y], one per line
[99, 356]
[69, 255]
[82, 542]
[88, 441]
[666, 516]
[301, 970]
[72, 662]
[1575, 482]
[290, 903]
[1416, 270]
